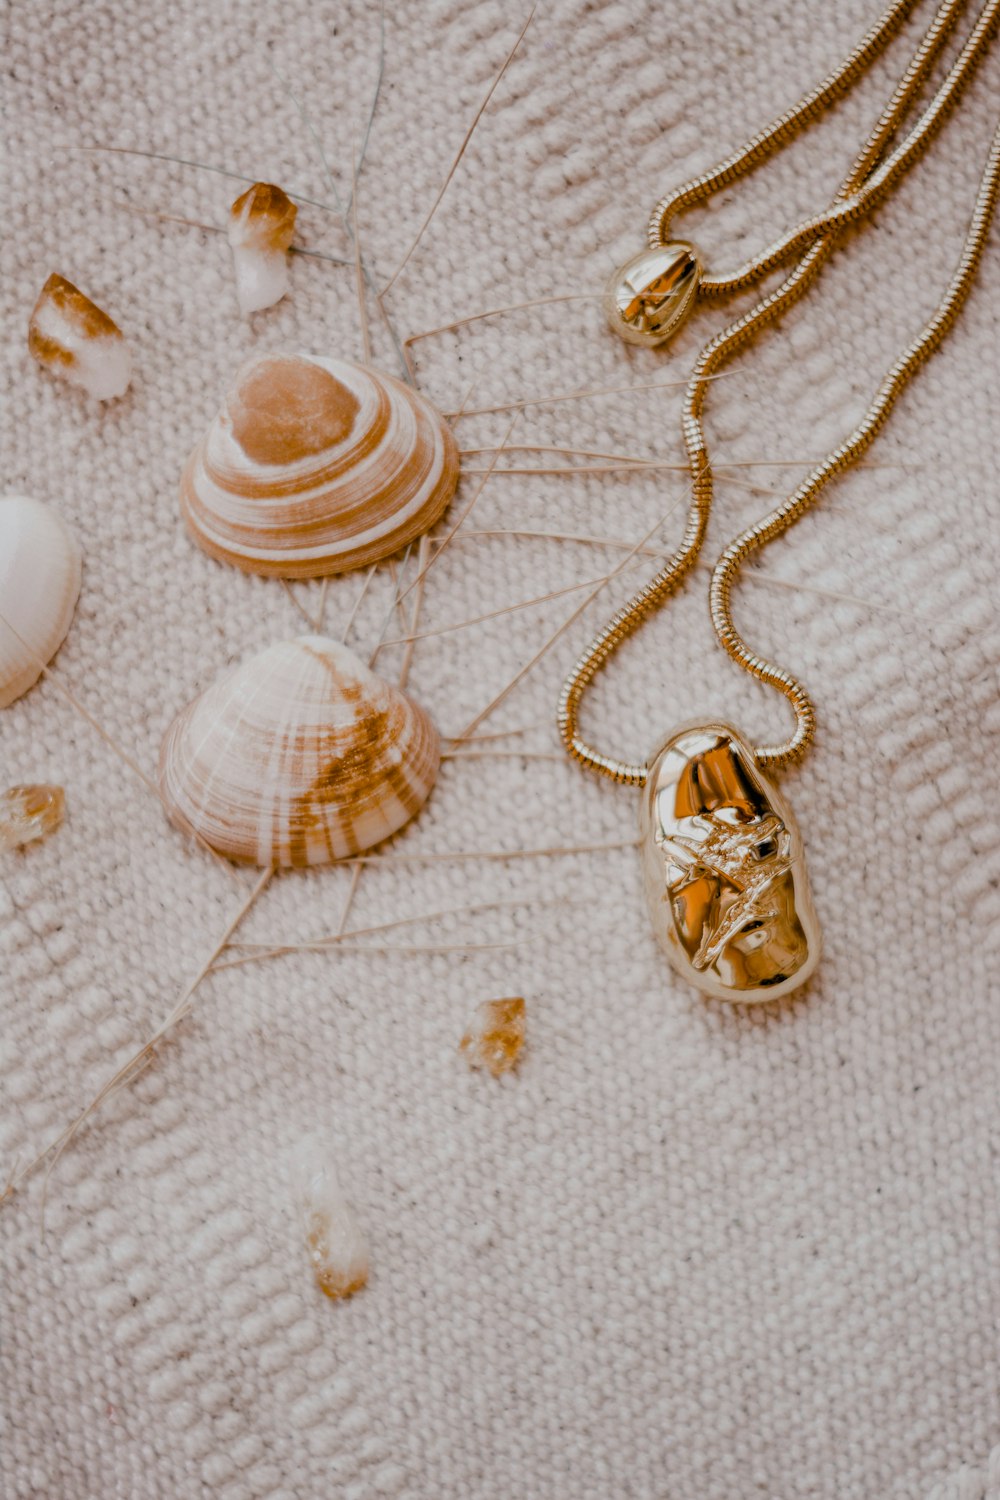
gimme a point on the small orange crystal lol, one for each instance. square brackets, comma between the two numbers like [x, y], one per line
[73, 338]
[495, 1038]
[263, 218]
[28, 813]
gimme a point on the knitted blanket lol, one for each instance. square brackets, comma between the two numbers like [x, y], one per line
[686, 1250]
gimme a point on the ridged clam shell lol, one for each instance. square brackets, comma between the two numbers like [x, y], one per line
[39, 587]
[317, 466]
[298, 756]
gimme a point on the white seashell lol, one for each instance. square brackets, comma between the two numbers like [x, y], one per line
[73, 338]
[261, 225]
[316, 466]
[39, 587]
[337, 1248]
[298, 756]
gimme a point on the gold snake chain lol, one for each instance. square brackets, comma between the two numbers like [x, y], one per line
[848, 205]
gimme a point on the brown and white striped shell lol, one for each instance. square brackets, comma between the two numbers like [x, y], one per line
[298, 756]
[316, 466]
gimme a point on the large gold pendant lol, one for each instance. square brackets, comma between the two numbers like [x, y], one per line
[725, 869]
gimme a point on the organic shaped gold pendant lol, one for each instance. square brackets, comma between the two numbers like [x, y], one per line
[647, 299]
[725, 869]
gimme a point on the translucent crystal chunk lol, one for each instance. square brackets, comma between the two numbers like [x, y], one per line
[28, 813]
[495, 1038]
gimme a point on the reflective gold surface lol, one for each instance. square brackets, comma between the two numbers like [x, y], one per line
[650, 295]
[724, 869]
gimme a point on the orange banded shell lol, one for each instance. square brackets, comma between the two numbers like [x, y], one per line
[299, 756]
[317, 466]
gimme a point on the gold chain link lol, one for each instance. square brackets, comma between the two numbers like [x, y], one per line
[725, 344]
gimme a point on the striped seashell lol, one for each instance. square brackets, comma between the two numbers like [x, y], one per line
[39, 587]
[317, 466]
[298, 756]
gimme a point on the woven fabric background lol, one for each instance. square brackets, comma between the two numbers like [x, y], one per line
[688, 1251]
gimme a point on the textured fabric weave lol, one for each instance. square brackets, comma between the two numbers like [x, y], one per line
[685, 1252]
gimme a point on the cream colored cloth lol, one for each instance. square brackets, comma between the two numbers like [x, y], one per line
[686, 1252]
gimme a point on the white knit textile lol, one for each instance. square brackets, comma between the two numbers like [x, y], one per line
[686, 1251]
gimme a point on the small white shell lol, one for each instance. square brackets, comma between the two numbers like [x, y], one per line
[298, 756]
[316, 466]
[70, 335]
[39, 587]
[337, 1249]
[261, 225]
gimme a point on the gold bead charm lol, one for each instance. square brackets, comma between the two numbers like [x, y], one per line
[725, 870]
[648, 298]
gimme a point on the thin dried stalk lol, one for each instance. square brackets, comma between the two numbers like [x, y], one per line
[619, 543]
[358, 602]
[573, 452]
[423, 557]
[495, 312]
[321, 611]
[345, 910]
[291, 594]
[155, 213]
[496, 734]
[757, 575]
[503, 755]
[575, 469]
[415, 949]
[140, 1059]
[366, 338]
[493, 614]
[450, 534]
[423, 560]
[570, 620]
[200, 166]
[259, 952]
[397, 576]
[461, 152]
[330, 940]
[579, 395]
[460, 856]
[379, 76]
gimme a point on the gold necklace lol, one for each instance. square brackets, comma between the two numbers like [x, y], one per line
[722, 855]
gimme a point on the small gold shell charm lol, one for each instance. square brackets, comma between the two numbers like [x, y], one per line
[725, 870]
[648, 298]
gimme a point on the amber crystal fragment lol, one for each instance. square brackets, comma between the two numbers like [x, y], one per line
[261, 225]
[28, 813]
[76, 340]
[338, 1251]
[495, 1038]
